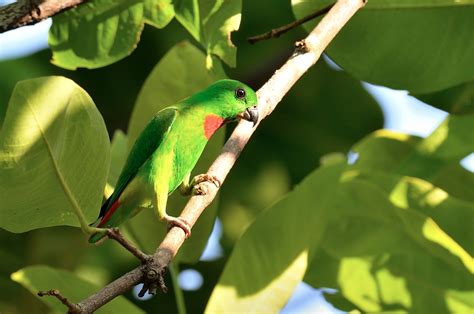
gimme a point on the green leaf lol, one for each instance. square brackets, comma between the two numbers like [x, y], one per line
[187, 13]
[54, 155]
[42, 278]
[392, 43]
[179, 74]
[457, 100]
[211, 22]
[272, 256]
[385, 257]
[98, 33]
[384, 232]
[223, 19]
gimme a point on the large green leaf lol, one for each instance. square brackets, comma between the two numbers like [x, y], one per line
[100, 32]
[457, 100]
[179, 74]
[211, 22]
[42, 278]
[272, 256]
[385, 231]
[54, 155]
[421, 46]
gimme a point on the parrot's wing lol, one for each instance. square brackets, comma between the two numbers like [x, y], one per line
[147, 142]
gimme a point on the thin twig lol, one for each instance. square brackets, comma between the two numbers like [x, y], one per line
[115, 234]
[277, 32]
[72, 308]
[27, 12]
[269, 95]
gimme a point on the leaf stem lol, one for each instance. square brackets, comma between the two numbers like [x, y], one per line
[178, 293]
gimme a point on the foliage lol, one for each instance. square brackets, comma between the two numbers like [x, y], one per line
[377, 230]
[429, 47]
[390, 231]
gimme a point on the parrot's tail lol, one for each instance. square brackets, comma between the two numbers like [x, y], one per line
[96, 237]
[102, 220]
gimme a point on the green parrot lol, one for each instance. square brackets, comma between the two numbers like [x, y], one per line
[167, 150]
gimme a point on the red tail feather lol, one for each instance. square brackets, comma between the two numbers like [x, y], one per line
[109, 213]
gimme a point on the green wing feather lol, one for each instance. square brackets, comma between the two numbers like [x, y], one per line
[148, 141]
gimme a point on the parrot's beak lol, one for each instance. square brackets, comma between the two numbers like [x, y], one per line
[250, 114]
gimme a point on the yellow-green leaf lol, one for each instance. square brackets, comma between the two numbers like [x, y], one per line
[54, 155]
[100, 32]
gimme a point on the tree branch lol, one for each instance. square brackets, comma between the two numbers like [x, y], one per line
[27, 12]
[115, 234]
[306, 54]
[73, 308]
[277, 32]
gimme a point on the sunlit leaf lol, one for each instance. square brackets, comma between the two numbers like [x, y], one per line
[54, 154]
[272, 256]
[43, 278]
[187, 13]
[211, 22]
[435, 159]
[98, 33]
[421, 46]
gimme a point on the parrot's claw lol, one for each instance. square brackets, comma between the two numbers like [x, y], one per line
[201, 189]
[178, 222]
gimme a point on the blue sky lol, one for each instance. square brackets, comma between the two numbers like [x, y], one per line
[402, 113]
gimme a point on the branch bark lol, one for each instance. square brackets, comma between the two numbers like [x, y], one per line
[306, 54]
[27, 12]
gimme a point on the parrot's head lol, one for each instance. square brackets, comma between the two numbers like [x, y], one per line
[232, 100]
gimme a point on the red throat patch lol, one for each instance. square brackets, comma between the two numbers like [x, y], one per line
[211, 124]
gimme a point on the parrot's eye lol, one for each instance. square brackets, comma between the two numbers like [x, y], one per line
[240, 93]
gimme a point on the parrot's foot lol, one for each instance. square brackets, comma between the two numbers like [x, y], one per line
[201, 189]
[178, 222]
